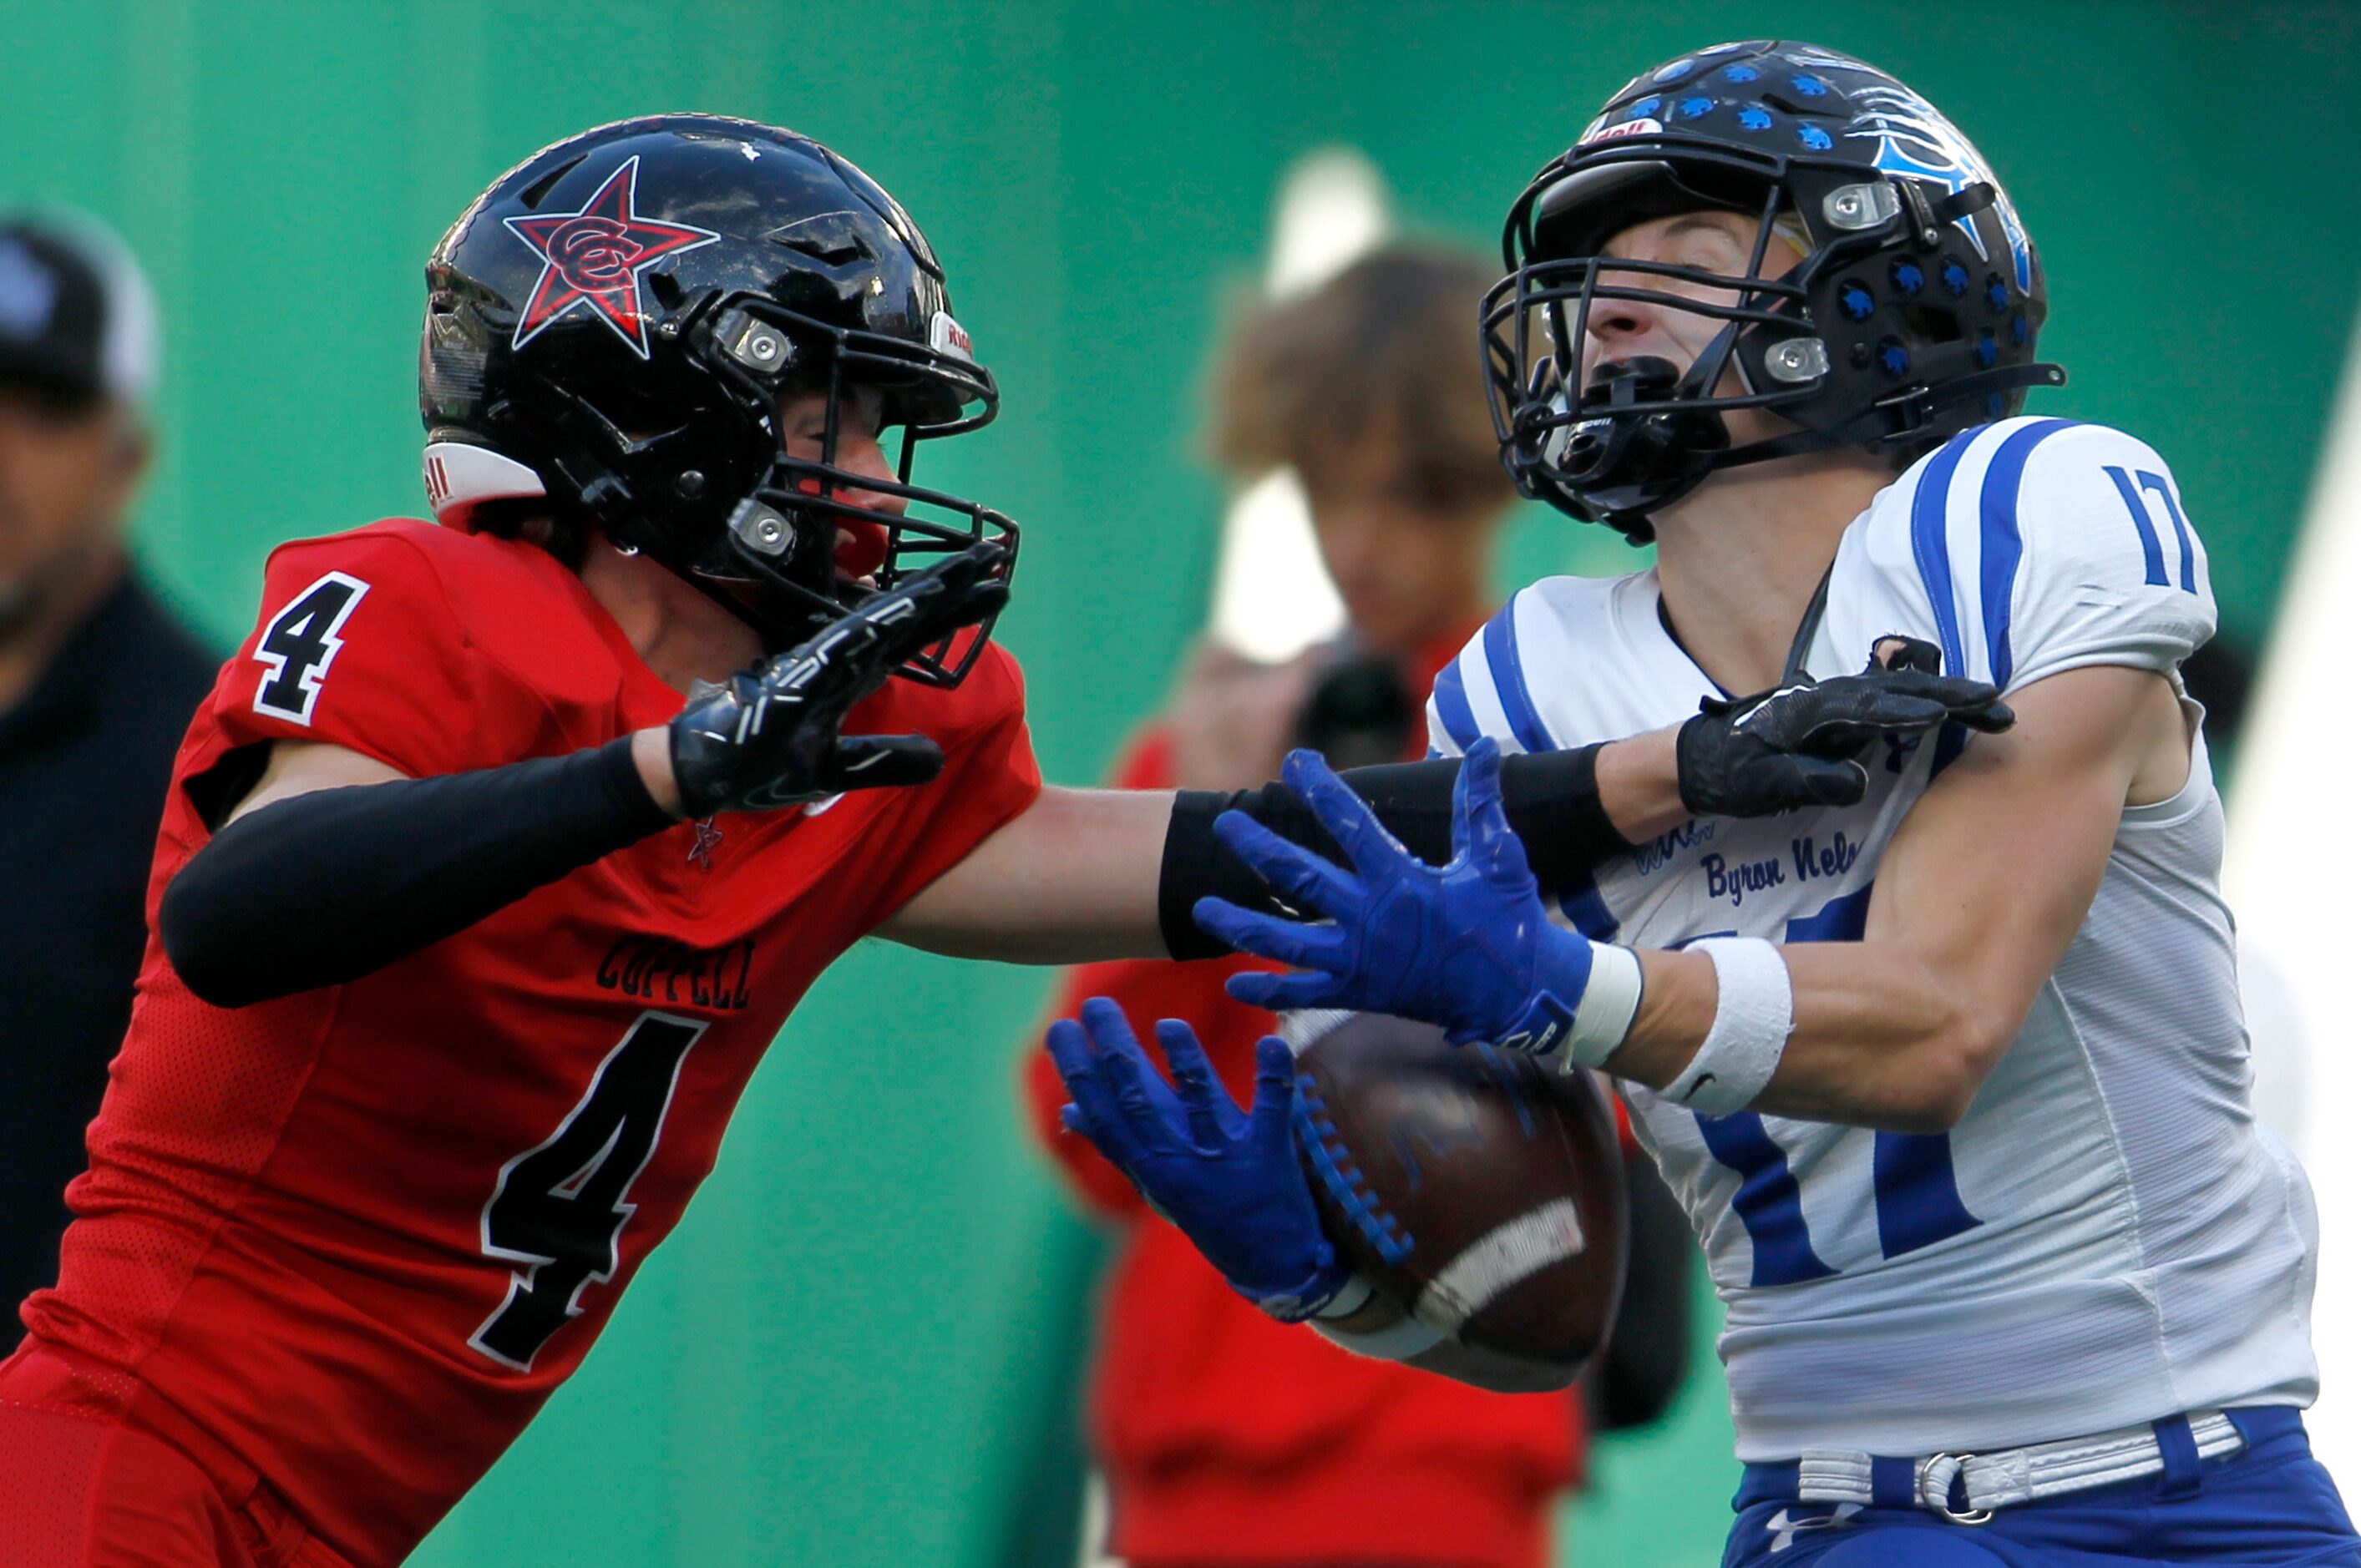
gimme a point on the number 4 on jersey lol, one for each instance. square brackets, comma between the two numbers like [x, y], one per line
[559, 1208]
[300, 644]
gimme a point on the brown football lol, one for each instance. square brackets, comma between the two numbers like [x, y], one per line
[1478, 1189]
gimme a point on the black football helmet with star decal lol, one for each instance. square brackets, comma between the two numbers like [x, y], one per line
[1911, 316]
[610, 328]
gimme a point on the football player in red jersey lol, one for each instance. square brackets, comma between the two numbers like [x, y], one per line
[467, 933]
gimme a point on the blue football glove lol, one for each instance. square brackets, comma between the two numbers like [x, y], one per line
[1227, 1177]
[1465, 945]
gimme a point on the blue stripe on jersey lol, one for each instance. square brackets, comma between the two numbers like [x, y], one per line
[2179, 528]
[1841, 920]
[1918, 1190]
[1918, 1201]
[1930, 514]
[1508, 680]
[1768, 1202]
[1451, 706]
[2003, 543]
[2151, 548]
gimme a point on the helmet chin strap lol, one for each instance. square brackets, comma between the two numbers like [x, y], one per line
[1650, 455]
[714, 579]
[779, 625]
[1894, 418]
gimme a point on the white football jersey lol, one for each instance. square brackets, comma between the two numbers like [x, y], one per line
[2108, 1237]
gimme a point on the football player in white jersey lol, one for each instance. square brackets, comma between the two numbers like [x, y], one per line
[1953, 1081]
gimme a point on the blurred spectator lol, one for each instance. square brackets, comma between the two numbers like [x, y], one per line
[1228, 1439]
[97, 682]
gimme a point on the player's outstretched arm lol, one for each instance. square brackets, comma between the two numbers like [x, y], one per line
[1089, 874]
[1085, 875]
[336, 865]
[1799, 745]
[1896, 1031]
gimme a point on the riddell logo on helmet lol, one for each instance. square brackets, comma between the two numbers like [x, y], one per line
[1626, 128]
[593, 258]
[945, 336]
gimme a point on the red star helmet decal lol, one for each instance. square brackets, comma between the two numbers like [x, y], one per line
[592, 259]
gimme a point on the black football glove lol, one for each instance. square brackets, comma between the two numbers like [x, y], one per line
[769, 738]
[1799, 745]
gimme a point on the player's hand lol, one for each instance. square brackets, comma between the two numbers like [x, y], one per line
[1229, 1178]
[1465, 945]
[1801, 745]
[770, 736]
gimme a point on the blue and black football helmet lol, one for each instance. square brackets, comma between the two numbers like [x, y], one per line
[610, 329]
[1910, 316]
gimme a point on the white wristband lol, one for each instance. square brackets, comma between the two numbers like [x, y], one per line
[1752, 1020]
[1610, 1000]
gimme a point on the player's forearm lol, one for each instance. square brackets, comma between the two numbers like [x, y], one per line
[330, 884]
[1070, 880]
[1639, 784]
[652, 755]
[1086, 875]
[1882, 1037]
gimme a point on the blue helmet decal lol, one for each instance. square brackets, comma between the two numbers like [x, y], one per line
[1915, 140]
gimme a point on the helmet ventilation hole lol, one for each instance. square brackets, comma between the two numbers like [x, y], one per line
[533, 194]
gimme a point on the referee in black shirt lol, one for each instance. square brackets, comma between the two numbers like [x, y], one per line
[97, 682]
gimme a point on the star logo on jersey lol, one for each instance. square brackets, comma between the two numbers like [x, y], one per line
[591, 259]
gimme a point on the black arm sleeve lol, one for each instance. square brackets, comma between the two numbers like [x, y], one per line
[1552, 799]
[335, 884]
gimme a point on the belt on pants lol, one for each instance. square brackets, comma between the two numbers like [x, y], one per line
[1967, 1487]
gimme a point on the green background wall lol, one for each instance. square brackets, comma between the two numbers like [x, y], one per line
[856, 1348]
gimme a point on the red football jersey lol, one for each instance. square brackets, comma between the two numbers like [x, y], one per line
[354, 1236]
